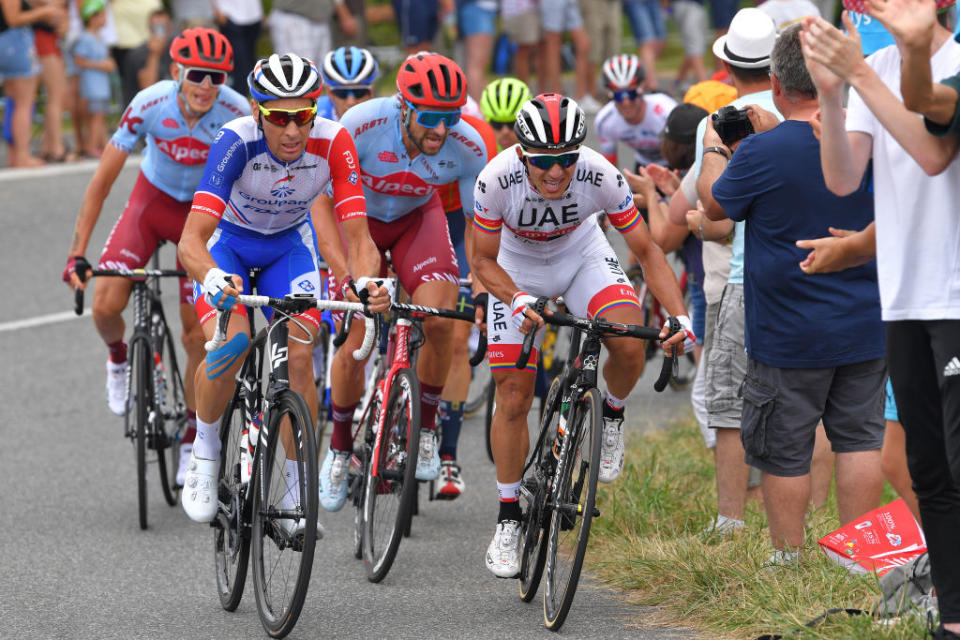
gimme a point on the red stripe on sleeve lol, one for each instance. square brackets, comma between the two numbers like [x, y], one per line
[208, 203]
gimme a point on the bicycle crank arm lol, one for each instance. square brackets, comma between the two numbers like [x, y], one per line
[574, 509]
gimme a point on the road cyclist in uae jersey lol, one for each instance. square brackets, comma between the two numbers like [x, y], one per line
[408, 145]
[179, 120]
[536, 235]
[251, 210]
[631, 117]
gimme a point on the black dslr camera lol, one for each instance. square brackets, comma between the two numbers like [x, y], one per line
[732, 124]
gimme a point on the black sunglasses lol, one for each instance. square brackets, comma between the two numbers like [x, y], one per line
[359, 94]
[500, 125]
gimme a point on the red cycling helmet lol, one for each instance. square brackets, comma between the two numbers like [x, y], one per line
[202, 47]
[432, 80]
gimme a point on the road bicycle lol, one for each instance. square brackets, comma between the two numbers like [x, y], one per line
[382, 484]
[260, 514]
[559, 486]
[156, 414]
[654, 314]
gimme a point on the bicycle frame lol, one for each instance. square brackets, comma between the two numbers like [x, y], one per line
[398, 357]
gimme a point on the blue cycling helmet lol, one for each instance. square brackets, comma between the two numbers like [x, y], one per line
[349, 67]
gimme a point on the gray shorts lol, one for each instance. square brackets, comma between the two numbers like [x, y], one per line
[558, 16]
[726, 362]
[781, 409]
[691, 20]
[524, 28]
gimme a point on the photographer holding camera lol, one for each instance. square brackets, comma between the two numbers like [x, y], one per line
[815, 345]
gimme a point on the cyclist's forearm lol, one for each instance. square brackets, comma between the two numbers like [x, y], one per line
[468, 241]
[662, 280]
[192, 249]
[97, 191]
[363, 256]
[494, 279]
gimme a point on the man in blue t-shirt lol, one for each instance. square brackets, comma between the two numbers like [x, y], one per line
[815, 345]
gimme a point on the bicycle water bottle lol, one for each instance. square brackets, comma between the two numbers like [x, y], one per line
[561, 428]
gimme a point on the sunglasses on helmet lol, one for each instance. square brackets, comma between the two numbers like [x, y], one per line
[359, 94]
[545, 161]
[431, 119]
[283, 117]
[624, 94]
[196, 75]
[500, 125]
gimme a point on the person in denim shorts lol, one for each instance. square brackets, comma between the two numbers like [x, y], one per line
[650, 34]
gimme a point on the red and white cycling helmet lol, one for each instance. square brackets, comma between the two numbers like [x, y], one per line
[550, 121]
[431, 80]
[202, 47]
[623, 72]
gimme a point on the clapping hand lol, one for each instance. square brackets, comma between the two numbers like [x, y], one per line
[910, 21]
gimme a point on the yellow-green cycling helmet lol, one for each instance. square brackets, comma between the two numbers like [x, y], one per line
[502, 99]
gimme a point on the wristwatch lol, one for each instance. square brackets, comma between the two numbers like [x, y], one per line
[720, 150]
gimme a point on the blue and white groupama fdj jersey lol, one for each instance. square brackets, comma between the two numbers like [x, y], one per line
[250, 191]
[176, 154]
[393, 183]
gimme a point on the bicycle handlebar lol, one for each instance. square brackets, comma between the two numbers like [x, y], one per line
[417, 310]
[122, 273]
[292, 305]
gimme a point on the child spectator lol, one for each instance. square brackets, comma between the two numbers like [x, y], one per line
[91, 56]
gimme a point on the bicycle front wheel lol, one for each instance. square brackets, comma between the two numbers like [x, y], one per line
[231, 537]
[284, 532]
[138, 412]
[321, 358]
[388, 497]
[575, 492]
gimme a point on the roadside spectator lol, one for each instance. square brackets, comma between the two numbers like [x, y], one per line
[558, 17]
[721, 14]
[132, 19]
[91, 56]
[745, 52]
[691, 18]
[419, 20]
[710, 95]
[916, 227]
[19, 67]
[521, 22]
[477, 25]
[190, 13]
[358, 10]
[53, 79]
[602, 21]
[785, 13]
[153, 58]
[650, 33]
[240, 22]
[804, 363]
[304, 27]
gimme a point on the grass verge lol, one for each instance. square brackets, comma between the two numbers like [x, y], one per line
[649, 542]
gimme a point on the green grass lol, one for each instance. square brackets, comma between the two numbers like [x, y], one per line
[649, 542]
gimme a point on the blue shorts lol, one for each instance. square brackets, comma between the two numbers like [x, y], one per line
[698, 311]
[646, 20]
[722, 12]
[417, 20]
[18, 56]
[474, 19]
[287, 263]
[890, 408]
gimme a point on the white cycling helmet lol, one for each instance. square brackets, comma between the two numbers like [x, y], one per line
[623, 72]
[286, 76]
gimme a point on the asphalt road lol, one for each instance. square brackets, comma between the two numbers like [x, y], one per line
[73, 562]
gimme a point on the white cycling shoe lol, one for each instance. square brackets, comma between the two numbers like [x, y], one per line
[428, 460]
[332, 484]
[117, 387]
[186, 452]
[611, 449]
[503, 554]
[199, 495]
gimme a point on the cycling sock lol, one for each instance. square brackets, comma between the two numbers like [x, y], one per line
[342, 437]
[509, 501]
[191, 432]
[429, 399]
[616, 404]
[118, 352]
[451, 419]
[207, 443]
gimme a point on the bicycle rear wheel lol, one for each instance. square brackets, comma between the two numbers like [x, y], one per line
[358, 481]
[320, 360]
[576, 494]
[282, 562]
[231, 537]
[138, 412]
[388, 498]
[170, 403]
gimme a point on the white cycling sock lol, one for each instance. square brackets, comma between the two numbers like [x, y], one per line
[508, 490]
[292, 474]
[207, 443]
[615, 403]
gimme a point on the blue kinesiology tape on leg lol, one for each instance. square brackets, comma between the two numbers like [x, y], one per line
[223, 358]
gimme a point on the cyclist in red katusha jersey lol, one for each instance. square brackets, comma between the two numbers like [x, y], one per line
[535, 210]
[179, 119]
[408, 145]
[251, 210]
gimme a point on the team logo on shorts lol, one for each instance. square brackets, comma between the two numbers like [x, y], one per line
[353, 178]
[306, 285]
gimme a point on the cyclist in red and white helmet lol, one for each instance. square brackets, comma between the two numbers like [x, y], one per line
[178, 119]
[536, 235]
[631, 116]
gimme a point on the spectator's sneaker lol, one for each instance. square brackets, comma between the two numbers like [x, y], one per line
[199, 495]
[782, 559]
[428, 460]
[503, 554]
[451, 483]
[333, 480]
[117, 387]
[186, 451]
[611, 449]
[723, 525]
[589, 104]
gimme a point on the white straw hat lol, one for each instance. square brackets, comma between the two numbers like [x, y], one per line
[749, 41]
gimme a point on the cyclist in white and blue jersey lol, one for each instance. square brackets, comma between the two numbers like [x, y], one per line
[349, 74]
[251, 210]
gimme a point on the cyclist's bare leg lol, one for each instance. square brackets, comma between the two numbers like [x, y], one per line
[213, 395]
[435, 355]
[509, 439]
[457, 385]
[110, 296]
[193, 341]
[300, 369]
[625, 362]
[346, 388]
